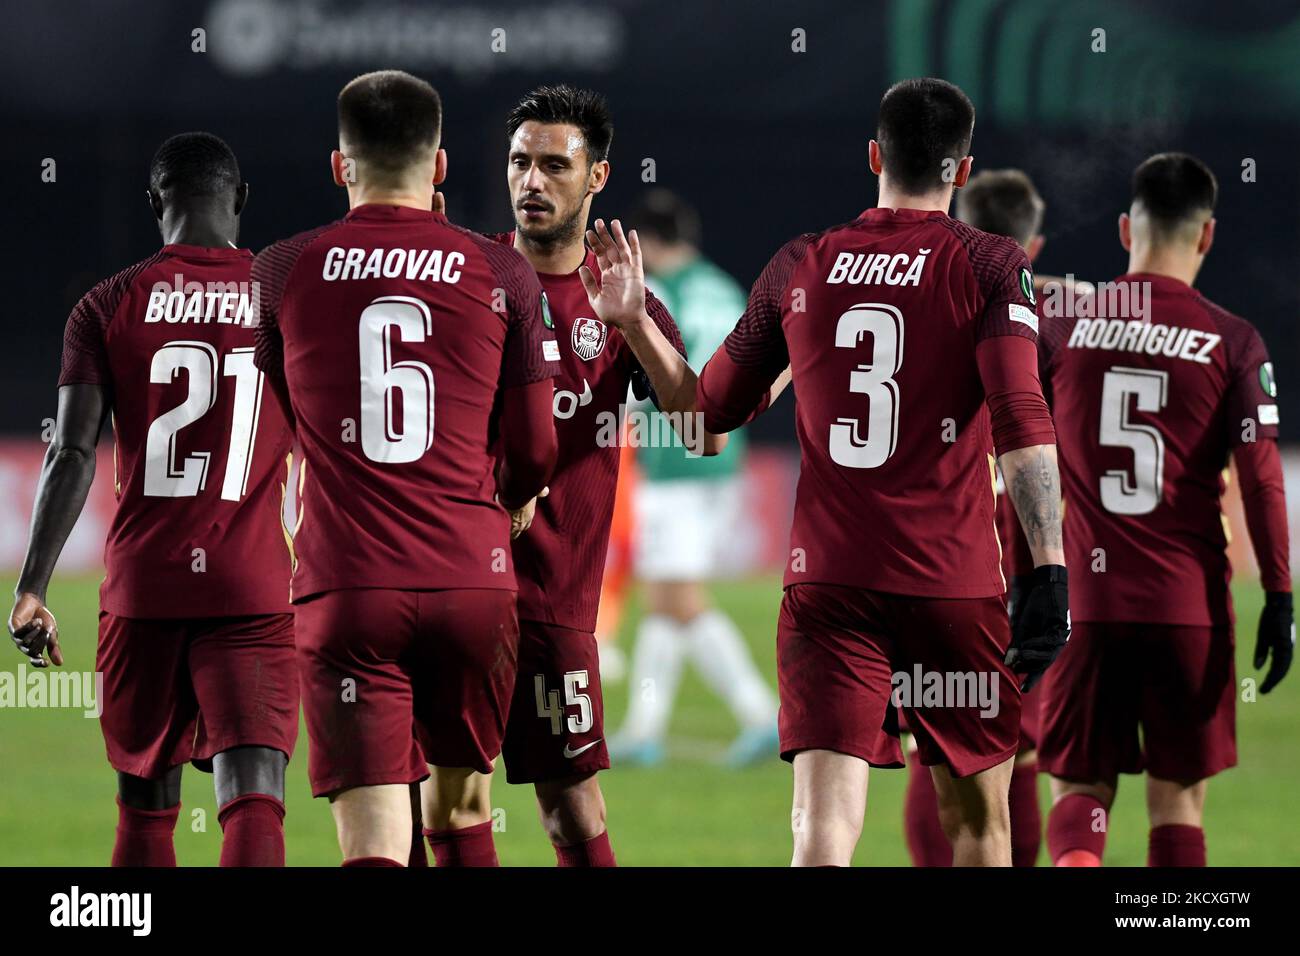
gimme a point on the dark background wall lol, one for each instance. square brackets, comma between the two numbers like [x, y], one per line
[767, 141]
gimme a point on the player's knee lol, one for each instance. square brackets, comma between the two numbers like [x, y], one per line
[243, 770]
[1172, 802]
[455, 798]
[572, 810]
[144, 793]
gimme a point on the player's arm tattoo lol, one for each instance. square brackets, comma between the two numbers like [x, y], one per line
[1034, 484]
[66, 476]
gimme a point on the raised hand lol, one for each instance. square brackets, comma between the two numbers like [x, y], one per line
[619, 297]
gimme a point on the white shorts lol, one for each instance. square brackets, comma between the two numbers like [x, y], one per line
[682, 527]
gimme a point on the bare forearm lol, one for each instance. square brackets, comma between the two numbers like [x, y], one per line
[673, 382]
[65, 481]
[1034, 484]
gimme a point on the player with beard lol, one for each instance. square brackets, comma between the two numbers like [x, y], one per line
[612, 334]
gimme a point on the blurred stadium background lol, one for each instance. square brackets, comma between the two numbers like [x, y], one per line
[717, 102]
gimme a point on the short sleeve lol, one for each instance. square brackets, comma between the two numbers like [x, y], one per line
[531, 353]
[1006, 286]
[270, 274]
[757, 343]
[1252, 391]
[85, 353]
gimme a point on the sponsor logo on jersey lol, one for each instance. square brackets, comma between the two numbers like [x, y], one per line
[589, 338]
[551, 350]
[546, 313]
[1027, 284]
[571, 752]
[1266, 380]
[1268, 415]
[1023, 315]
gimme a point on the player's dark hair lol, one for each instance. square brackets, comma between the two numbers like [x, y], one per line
[194, 164]
[665, 216]
[390, 120]
[922, 122]
[1174, 188]
[584, 109]
[1003, 202]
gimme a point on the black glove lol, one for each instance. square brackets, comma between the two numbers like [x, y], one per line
[1276, 634]
[1041, 623]
[1016, 590]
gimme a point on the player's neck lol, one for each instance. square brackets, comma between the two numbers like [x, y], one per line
[360, 195]
[1163, 261]
[202, 230]
[939, 200]
[552, 258]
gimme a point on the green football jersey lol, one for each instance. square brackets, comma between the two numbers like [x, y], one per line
[706, 304]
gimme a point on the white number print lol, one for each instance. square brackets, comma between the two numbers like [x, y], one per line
[1140, 493]
[163, 478]
[382, 438]
[549, 707]
[849, 446]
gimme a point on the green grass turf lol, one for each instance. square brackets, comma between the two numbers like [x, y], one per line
[56, 790]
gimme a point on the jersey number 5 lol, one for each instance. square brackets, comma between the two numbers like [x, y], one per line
[1140, 494]
[849, 446]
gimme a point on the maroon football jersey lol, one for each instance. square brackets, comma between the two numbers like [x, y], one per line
[560, 559]
[201, 448]
[896, 486]
[395, 331]
[1147, 411]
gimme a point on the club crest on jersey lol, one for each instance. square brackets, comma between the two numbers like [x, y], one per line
[589, 338]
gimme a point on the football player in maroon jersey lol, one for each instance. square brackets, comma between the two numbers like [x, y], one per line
[894, 582]
[195, 634]
[409, 351]
[1153, 390]
[612, 334]
[1003, 202]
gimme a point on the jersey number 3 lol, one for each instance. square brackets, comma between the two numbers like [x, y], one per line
[850, 445]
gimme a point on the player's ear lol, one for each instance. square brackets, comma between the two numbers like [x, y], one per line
[873, 157]
[1126, 232]
[155, 204]
[440, 167]
[340, 167]
[1034, 248]
[963, 172]
[1207, 237]
[241, 197]
[598, 177]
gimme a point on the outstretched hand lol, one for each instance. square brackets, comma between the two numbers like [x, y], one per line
[619, 297]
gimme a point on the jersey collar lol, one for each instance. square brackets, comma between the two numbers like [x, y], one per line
[885, 214]
[384, 212]
[182, 251]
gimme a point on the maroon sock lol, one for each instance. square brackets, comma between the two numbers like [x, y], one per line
[1176, 844]
[469, 846]
[252, 827]
[1026, 818]
[144, 837]
[593, 852]
[371, 861]
[419, 860]
[926, 840]
[1076, 832]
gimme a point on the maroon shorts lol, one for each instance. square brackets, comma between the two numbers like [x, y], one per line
[557, 717]
[1178, 684]
[394, 680]
[186, 689]
[843, 652]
